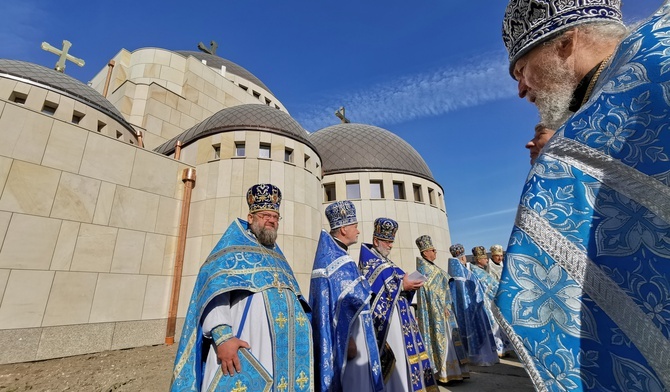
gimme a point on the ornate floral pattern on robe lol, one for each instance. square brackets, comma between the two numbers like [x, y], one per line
[586, 285]
[239, 263]
[339, 295]
[385, 279]
[438, 325]
[490, 287]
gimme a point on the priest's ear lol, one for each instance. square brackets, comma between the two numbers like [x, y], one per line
[565, 43]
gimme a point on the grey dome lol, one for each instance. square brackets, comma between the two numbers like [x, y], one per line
[359, 147]
[61, 83]
[256, 117]
[216, 62]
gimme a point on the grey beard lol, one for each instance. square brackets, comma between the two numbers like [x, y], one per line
[553, 103]
[265, 236]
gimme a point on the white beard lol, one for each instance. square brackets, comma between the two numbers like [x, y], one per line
[553, 102]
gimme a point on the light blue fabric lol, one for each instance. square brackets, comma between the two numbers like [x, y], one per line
[338, 295]
[586, 282]
[470, 309]
[239, 262]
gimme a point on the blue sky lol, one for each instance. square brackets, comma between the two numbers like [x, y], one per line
[434, 72]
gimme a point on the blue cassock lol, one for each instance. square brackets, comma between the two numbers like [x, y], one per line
[338, 295]
[586, 284]
[470, 308]
[239, 263]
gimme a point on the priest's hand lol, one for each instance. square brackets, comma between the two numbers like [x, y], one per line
[410, 285]
[351, 349]
[227, 354]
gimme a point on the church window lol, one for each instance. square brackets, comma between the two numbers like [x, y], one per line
[77, 117]
[267, 101]
[256, 94]
[217, 150]
[49, 108]
[398, 190]
[119, 135]
[239, 149]
[18, 97]
[431, 196]
[376, 189]
[288, 155]
[306, 161]
[264, 151]
[353, 190]
[245, 88]
[418, 194]
[101, 126]
[329, 190]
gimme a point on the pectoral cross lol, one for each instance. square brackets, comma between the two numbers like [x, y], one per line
[340, 114]
[60, 65]
[212, 47]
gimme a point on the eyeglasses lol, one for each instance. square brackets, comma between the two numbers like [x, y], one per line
[267, 216]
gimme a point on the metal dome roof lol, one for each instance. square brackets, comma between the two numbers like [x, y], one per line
[216, 62]
[359, 147]
[62, 84]
[255, 117]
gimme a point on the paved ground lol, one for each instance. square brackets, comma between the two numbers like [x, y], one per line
[508, 375]
[149, 369]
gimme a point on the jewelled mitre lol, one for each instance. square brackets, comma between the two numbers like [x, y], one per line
[424, 243]
[457, 250]
[341, 213]
[496, 250]
[263, 197]
[385, 229]
[479, 252]
[528, 23]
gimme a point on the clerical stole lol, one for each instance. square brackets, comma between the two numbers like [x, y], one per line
[385, 279]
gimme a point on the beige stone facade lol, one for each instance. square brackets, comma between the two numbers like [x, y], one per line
[89, 220]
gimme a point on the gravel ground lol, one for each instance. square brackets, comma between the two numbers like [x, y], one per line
[137, 369]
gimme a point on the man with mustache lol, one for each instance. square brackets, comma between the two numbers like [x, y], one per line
[584, 292]
[247, 316]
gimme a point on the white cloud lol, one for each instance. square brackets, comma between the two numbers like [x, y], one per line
[417, 96]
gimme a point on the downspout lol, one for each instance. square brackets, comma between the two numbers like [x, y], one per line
[109, 77]
[188, 177]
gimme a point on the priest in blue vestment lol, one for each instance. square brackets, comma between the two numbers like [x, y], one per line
[436, 317]
[396, 328]
[470, 308]
[346, 356]
[585, 293]
[247, 325]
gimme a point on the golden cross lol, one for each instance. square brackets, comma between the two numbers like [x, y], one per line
[60, 65]
[239, 387]
[340, 114]
[301, 319]
[282, 384]
[281, 320]
[302, 380]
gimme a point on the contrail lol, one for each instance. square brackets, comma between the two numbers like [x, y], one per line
[416, 96]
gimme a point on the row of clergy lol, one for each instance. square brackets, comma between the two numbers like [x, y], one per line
[249, 328]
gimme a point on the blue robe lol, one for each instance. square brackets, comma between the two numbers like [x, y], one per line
[470, 310]
[238, 263]
[586, 285]
[489, 285]
[385, 279]
[437, 321]
[338, 296]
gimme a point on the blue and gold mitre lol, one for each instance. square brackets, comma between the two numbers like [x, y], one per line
[457, 250]
[528, 23]
[263, 197]
[424, 243]
[341, 213]
[479, 252]
[385, 229]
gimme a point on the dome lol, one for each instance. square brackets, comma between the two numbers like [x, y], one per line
[358, 147]
[216, 62]
[62, 84]
[255, 117]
